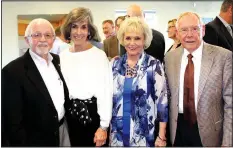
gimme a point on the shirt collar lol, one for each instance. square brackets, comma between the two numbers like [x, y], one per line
[223, 21]
[197, 53]
[39, 59]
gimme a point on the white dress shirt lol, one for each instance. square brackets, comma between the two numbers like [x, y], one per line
[197, 56]
[87, 74]
[52, 81]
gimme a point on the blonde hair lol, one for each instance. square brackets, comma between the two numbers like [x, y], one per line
[135, 24]
[172, 21]
[188, 13]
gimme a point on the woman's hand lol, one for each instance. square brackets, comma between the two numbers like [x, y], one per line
[100, 137]
[160, 142]
[161, 138]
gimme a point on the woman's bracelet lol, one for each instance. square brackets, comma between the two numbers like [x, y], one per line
[161, 138]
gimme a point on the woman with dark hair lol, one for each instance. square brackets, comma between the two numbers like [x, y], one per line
[88, 75]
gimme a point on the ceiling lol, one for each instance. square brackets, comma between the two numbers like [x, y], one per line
[49, 17]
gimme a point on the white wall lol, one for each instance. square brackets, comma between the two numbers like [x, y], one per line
[101, 11]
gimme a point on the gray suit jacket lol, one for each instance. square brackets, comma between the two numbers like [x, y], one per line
[111, 47]
[214, 109]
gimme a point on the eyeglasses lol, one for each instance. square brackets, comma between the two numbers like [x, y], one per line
[195, 29]
[38, 36]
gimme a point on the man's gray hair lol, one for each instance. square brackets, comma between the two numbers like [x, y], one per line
[28, 30]
[188, 13]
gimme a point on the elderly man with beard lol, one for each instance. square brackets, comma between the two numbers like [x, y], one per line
[34, 92]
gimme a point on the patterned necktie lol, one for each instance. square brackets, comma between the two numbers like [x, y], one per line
[189, 105]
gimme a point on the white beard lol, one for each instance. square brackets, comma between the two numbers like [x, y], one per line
[38, 50]
[42, 51]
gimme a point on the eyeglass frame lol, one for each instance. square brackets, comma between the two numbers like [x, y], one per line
[40, 36]
[192, 29]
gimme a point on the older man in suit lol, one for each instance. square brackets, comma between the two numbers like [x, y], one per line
[200, 82]
[34, 92]
[157, 47]
[220, 31]
[111, 44]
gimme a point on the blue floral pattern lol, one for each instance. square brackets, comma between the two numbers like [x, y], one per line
[148, 101]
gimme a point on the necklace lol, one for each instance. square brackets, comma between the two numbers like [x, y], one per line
[134, 71]
[131, 72]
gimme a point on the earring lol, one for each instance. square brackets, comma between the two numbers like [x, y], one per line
[89, 36]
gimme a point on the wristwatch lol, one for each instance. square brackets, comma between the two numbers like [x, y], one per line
[104, 128]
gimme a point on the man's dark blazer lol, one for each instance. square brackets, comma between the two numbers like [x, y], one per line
[156, 48]
[217, 34]
[29, 116]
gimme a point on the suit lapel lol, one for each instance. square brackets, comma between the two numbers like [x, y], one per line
[34, 76]
[225, 32]
[177, 65]
[206, 64]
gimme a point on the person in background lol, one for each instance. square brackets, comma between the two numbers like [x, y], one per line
[108, 28]
[88, 75]
[172, 34]
[34, 92]
[200, 81]
[111, 44]
[97, 43]
[60, 43]
[220, 31]
[140, 90]
[157, 46]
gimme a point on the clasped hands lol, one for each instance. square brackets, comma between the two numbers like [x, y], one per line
[100, 137]
[160, 141]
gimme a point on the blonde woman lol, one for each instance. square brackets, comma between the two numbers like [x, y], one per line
[171, 30]
[140, 92]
